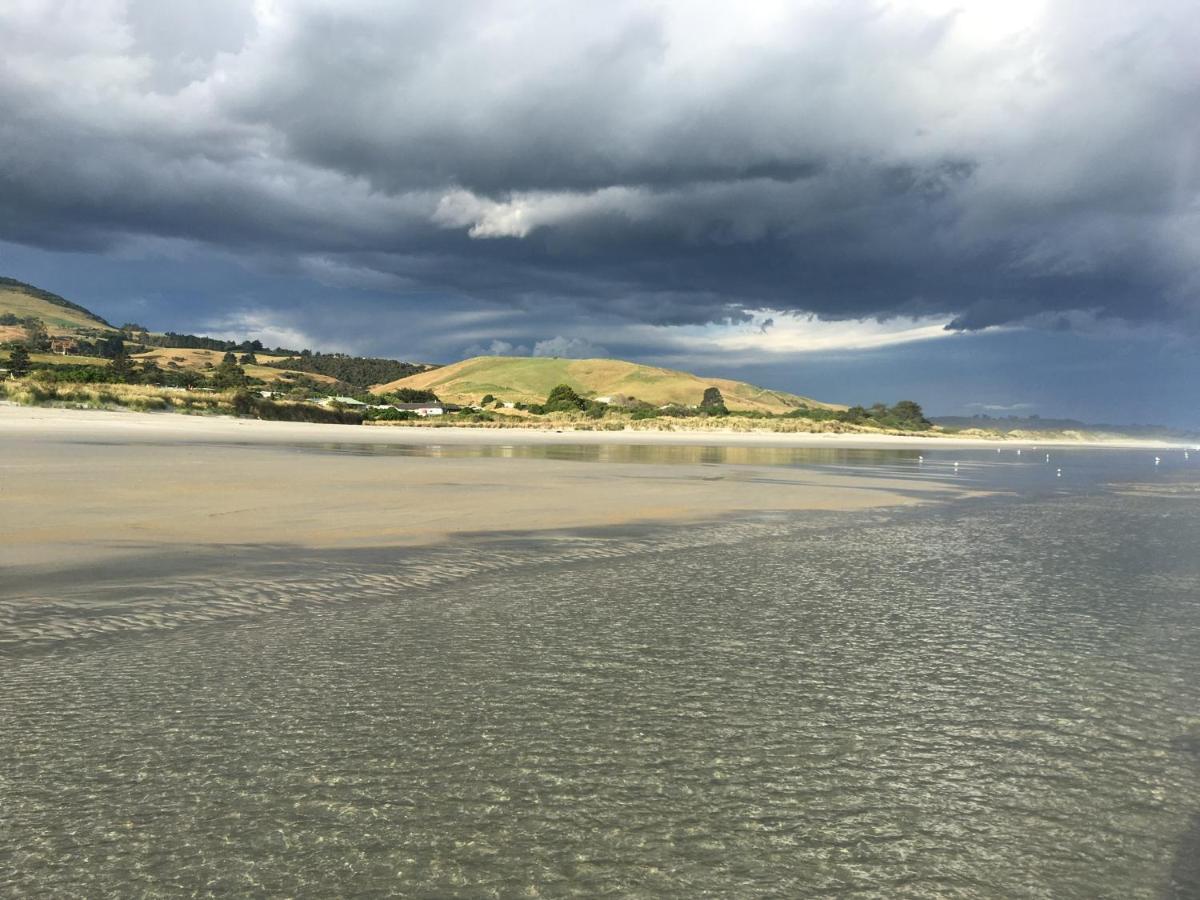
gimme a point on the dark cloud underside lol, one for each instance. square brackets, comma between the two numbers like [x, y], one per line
[661, 164]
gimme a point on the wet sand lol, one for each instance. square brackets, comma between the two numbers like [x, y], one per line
[92, 486]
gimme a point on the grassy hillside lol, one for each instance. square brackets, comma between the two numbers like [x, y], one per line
[515, 379]
[203, 360]
[60, 315]
[530, 379]
[64, 318]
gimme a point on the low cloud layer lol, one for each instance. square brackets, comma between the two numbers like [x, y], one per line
[673, 164]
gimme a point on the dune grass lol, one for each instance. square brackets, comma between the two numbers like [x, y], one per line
[31, 392]
[145, 398]
[619, 421]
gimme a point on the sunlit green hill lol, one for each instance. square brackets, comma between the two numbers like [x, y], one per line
[60, 315]
[530, 379]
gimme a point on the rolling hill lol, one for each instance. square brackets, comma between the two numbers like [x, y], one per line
[60, 315]
[63, 318]
[515, 379]
[530, 379]
[198, 360]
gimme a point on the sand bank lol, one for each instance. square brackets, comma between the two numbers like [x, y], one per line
[88, 485]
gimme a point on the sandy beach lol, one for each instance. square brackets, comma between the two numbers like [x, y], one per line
[93, 485]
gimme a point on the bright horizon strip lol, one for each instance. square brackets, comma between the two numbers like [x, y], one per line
[790, 334]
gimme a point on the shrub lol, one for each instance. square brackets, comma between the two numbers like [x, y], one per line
[389, 415]
[713, 403]
[563, 399]
[411, 395]
[243, 403]
[74, 375]
[474, 417]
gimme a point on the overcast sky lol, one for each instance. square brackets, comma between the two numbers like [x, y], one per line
[987, 207]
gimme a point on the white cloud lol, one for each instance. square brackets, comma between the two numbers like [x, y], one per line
[773, 333]
[808, 334]
[266, 326]
[1002, 407]
[573, 348]
[497, 348]
[524, 211]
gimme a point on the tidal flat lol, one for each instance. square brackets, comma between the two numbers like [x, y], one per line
[313, 668]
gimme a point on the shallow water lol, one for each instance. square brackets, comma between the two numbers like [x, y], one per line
[989, 698]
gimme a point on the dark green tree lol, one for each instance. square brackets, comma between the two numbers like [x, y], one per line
[18, 361]
[152, 373]
[229, 374]
[563, 399]
[110, 346]
[185, 378]
[244, 403]
[411, 395]
[248, 359]
[713, 402]
[910, 413]
[36, 336]
[121, 369]
[359, 372]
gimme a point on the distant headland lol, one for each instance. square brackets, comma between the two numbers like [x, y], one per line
[56, 352]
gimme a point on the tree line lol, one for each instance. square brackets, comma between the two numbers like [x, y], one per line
[357, 371]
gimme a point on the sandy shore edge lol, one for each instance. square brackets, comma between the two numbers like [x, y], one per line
[94, 485]
[137, 426]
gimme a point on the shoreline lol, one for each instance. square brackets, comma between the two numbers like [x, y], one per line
[95, 486]
[136, 426]
[137, 522]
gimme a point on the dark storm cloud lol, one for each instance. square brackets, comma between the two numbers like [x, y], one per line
[664, 164]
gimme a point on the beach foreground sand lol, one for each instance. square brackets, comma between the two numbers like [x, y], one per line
[83, 486]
